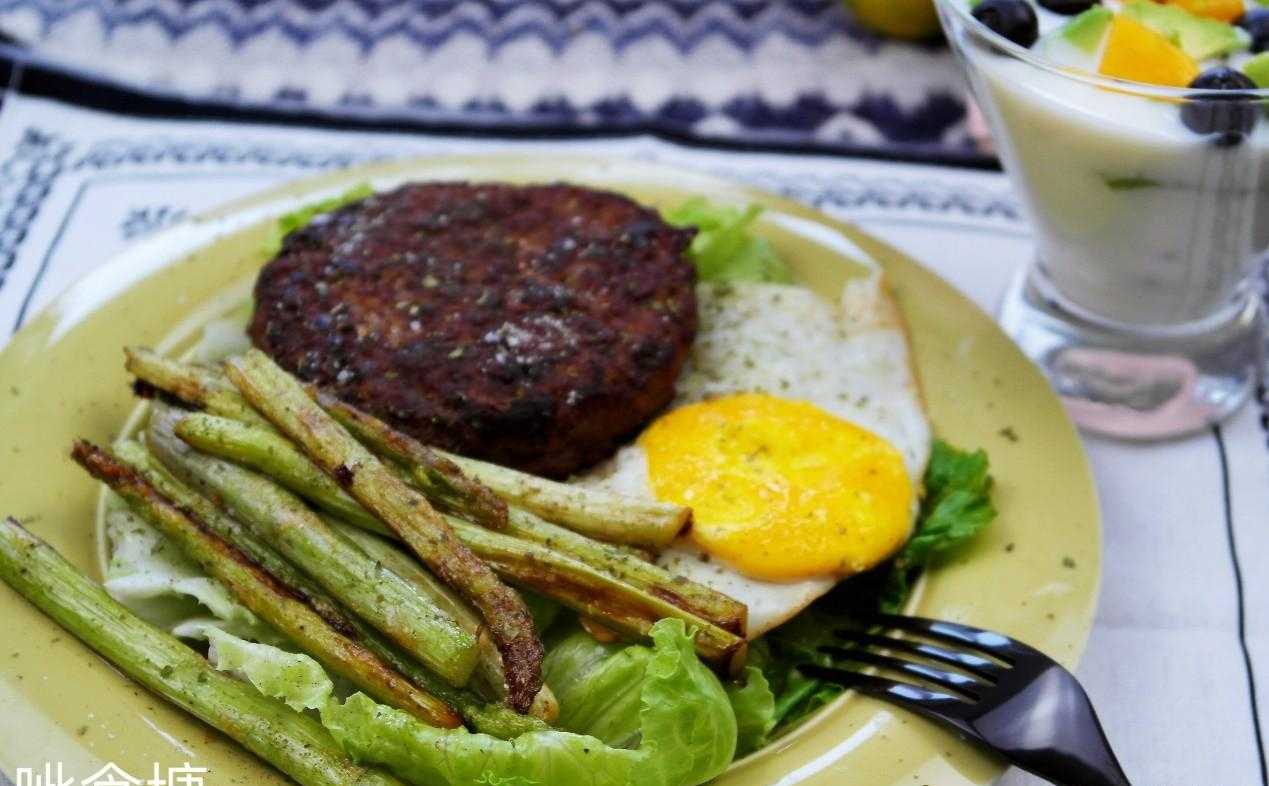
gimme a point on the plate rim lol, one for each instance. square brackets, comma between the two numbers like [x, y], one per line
[241, 214]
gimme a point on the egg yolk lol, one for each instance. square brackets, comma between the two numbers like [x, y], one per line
[781, 490]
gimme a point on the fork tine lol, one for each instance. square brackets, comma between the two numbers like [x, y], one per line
[912, 695]
[994, 644]
[966, 661]
[966, 686]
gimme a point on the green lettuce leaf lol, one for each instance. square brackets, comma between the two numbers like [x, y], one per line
[298, 219]
[296, 679]
[725, 247]
[753, 704]
[687, 733]
[635, 695]
[599, 687]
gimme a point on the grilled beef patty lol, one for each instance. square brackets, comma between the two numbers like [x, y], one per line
[533, 326]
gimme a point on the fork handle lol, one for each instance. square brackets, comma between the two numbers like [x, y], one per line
[1094, 765]
[1066, 771]
[1071, 749]
[1076, 754]
[1072, 754]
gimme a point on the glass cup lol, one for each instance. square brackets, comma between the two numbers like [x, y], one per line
[1150, 209]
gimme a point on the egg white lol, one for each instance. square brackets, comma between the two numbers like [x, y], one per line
[850, 358]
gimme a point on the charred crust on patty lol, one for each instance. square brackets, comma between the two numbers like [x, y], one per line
[534, 326]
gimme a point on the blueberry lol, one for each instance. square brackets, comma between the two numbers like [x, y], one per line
[1230, 116]
[1069, 7]
[1013, 19]
[1256, 22]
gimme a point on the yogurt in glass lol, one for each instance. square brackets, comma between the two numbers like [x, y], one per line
[1149, 204]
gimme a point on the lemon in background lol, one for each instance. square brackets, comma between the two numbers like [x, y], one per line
[914, 20]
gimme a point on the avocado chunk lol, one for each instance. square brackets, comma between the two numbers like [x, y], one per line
[1077, 43]
[1086, 31]
[1257, 69]
[1199, 37]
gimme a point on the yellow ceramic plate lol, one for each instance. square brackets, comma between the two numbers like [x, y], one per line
[1033, 575]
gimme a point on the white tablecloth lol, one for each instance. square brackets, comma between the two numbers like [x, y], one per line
[1183, 627]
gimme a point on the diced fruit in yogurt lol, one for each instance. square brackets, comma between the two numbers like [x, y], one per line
[1086, 31]
[1069, 7]
[1231, 117]
[1078, 43]
[1198, 37]
[1013, 19]
[1257, 69]
[1256, 23]
[1224, 10]
[1139, 54]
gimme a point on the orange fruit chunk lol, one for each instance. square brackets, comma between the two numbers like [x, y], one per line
[1224, 10]
[1138, 54]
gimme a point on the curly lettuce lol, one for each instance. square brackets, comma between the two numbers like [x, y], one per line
[726, 248]
[686, 732]
[689, 731]
[599, 687]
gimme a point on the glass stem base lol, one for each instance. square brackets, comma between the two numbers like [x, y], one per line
[1136, 382]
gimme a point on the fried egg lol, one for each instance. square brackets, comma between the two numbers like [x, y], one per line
[797, 436]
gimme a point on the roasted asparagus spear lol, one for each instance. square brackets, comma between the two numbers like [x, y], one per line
[489, 677]
[207, 389]
[388, 602]
[270, 453]
[282, 606]
[292, 742]
[281, 399]
[200, 387]
[489, 717]
[592, 578]
[599, 514]
[605, 516]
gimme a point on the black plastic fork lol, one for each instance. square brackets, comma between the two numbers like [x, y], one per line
[1006, 696]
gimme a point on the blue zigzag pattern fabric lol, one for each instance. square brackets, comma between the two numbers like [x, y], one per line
[762, 71]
